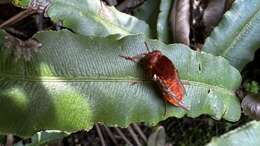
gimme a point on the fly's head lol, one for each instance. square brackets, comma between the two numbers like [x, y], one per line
[150, 59]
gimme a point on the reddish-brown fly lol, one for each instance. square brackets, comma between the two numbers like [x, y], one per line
[161, 70]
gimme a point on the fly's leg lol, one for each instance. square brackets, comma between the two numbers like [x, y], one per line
[146, 45]
[134, 58]
[132, 83]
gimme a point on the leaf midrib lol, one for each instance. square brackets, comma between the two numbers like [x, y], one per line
[107, 79]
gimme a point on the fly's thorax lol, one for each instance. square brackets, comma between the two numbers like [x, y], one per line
[150, 60]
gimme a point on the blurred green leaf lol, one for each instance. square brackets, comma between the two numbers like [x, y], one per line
[148, 12]
[74, 81]
[91, 17]
[2, 139]
[163, 25]
[252, 87]
[44, 137]
[156, 14]
[21, 3]
[237, 36]
[247, 135]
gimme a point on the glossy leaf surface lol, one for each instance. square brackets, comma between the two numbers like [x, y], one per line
[163, 24]
[74, 81]
[247, 135]
[237, 36]
[148, 12]
[92, 18]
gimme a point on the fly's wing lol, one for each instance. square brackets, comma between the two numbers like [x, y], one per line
[168, 93]
[164, 86]
[181, 83]
[166, 90]
[166, 75]
[165, 69]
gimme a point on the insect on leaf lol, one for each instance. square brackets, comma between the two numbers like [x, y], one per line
[75, 81]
